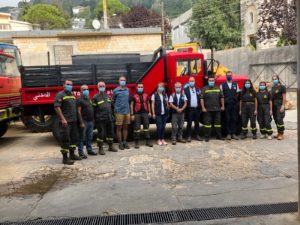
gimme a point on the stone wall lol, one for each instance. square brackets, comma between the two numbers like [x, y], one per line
[35, 49]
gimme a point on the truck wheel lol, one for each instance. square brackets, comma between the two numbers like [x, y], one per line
[55, 129]
[38, 124]
[3, 128]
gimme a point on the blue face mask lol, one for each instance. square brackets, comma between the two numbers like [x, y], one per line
[247, 86]
[191, 83]
[140, 90]
[68, 87]
[262, 88]
[161, 89]
[122, 83]
[229, 78]
[211, 83]
[275, 82]
[86, 92]
[101, 89]
[178, 90]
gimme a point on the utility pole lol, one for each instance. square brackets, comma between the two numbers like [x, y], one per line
[163, 24]
[105, 14]
[298, 99]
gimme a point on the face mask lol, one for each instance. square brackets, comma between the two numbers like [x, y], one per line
[86, 92]
[140, 90]
[275, 82]
[178, 90]
[122, 83]
[247, 86]
[102, 89]
[161, 89]
[211, 83]
[229, 78]
[68, 87]
[192, 83]
[262, 88]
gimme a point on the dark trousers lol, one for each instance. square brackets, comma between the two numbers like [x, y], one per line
[193, 115]
[264, 119]
[161, 121]
[212, 119]
[86, 136]
[278, 117]
[69, 136]
[141, 119]
[248, 109]
[177, 125]
[105, 132]
[231, 115]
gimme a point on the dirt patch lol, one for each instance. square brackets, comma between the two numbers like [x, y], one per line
[47, 178]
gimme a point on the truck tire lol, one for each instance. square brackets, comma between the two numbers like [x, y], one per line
[55, 129]
[3, 128]
[35, 124]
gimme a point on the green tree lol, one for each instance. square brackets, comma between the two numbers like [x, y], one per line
[113, 7]
[47, 16]
[216, 24]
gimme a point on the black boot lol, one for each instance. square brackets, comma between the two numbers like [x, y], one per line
[111, 148]
[136, 144]
[66, 160]
[149, 143]
[101, 151]
[73, 156]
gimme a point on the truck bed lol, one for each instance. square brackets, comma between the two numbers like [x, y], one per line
[51, 76]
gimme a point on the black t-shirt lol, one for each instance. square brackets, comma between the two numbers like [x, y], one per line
[212, 98]
[248, 96]
[67, 102]
[263, 97]
[277, 92]
[87, 110]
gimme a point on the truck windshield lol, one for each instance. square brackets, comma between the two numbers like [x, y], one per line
[8, 67]
[188, 67]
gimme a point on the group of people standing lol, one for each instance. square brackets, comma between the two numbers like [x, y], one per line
[78, 117]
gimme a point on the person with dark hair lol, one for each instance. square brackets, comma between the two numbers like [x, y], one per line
[160, 112]
[178, 103]
[212, 103]
[121, 101]
[264, 102]
[278, 99]
[104, 118]
[65, 108]
[230, 91]
[248, 109]
[140, 113]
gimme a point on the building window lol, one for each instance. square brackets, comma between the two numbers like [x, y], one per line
[251, 17]
[4, 26]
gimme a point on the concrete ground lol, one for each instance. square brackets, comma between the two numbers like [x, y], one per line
[34, 184]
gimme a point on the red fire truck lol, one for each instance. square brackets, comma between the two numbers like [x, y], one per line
[10, 84]
[41, 83]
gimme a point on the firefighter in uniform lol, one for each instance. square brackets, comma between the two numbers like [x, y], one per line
[230, 91]
[264, 102]
[278, 100]
[65, 108]
[104, 119]
[140, 114]
[248, 109]
[178, 103]
[212, 103]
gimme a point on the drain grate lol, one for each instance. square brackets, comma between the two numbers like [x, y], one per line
[174, 216]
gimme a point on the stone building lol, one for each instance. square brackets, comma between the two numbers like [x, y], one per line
[57, 47]
[180, 28]
[8, 24]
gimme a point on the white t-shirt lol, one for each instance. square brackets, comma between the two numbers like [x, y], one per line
[194, 100]
[162, 102]
[171, 99]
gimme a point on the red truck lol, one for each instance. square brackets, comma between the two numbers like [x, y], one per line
[41, 83]
[10, 84]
